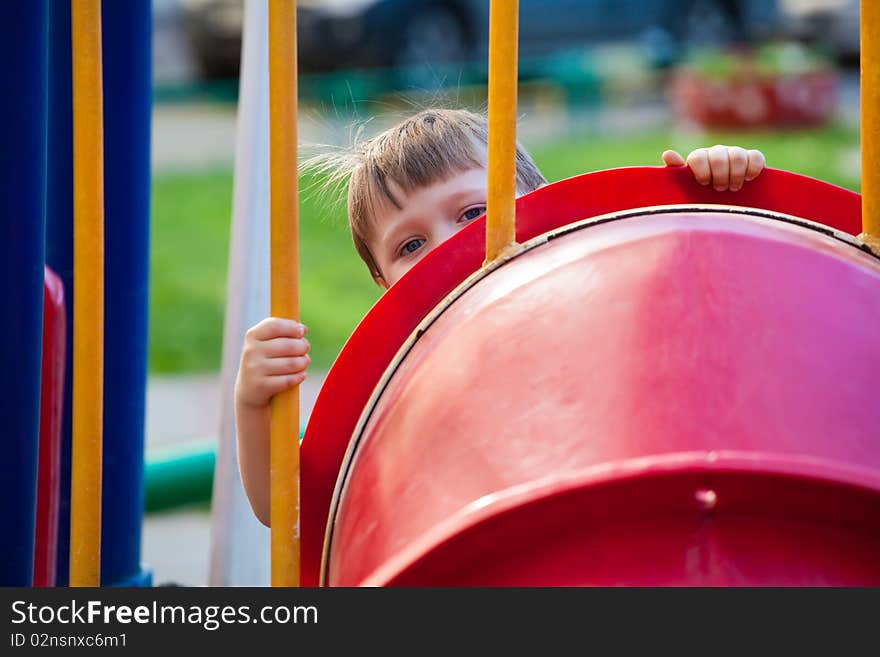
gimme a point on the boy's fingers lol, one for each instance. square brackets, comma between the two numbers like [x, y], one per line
[672, 159]
[275, 327]
[698, 161]
[755, 165]
[281, 347]
[719, 162]
[739, 162]
[275, 384]
[281, 366]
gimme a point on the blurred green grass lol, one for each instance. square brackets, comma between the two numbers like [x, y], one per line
[191, 217]
[191, 221]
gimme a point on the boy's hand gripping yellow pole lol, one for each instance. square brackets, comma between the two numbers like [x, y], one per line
[501, 202]
[284, 254]
[88, 294]
[870, 93]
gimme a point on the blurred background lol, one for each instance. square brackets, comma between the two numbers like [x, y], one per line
[604, 83]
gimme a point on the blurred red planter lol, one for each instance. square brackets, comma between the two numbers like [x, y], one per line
[754, 101]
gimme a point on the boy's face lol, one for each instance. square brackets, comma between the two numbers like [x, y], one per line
[427, 216]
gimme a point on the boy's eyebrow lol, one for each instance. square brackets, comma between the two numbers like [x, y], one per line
[466, 196]
[452, 201]
[392, 235]
[383, 233]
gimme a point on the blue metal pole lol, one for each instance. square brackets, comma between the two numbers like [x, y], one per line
[22, 224]
[59, 238]
[127, 52]
[127, 45]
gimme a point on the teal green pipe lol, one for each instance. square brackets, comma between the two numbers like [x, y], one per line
[181, 476]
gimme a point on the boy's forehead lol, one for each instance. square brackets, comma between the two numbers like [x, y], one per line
[459, 184]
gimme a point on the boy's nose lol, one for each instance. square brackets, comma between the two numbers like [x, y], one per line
[447, 230]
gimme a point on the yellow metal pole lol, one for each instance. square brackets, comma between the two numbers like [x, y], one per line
[284, 254]
[88, 294]
[870, 94]
[500, 205]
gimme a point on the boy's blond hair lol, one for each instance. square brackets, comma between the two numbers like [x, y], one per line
[423, 149]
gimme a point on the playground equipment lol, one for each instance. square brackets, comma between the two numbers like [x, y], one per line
[632, 383]
[645, 392]
[630, 441]
[51, 409]
[37, 228]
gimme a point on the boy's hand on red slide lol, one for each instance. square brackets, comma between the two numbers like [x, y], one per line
[724, 167]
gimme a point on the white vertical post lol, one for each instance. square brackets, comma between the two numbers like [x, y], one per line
[239, 542]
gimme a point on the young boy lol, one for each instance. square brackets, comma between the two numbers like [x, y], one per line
[409, 189]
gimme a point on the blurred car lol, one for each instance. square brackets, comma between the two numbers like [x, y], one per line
[338, 34]
[833, 24]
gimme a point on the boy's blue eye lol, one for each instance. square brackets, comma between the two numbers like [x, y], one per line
[473, 213]
[412, 246]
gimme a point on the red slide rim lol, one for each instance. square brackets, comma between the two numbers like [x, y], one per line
[374, 343]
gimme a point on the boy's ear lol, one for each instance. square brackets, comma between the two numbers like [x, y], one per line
[380, 281]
